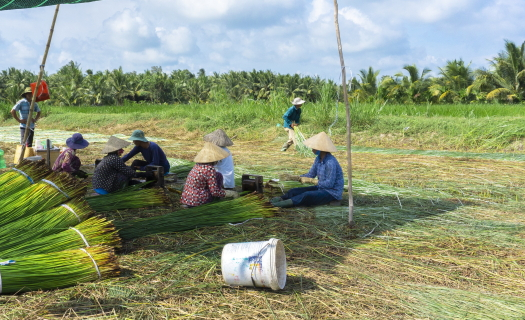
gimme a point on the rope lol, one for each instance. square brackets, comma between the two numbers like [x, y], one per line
[94, 262]
[82, 236]
[24, 174]
[337, 100]
[69, 208]
[54, 185]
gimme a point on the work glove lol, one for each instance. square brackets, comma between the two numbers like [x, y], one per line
[80, 174]
[289, 177]
[231, 194]
[308, 180]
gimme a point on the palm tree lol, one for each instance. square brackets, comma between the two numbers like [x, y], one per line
[452, 86]
[365, 89]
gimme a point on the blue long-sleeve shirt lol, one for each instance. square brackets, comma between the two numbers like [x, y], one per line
[329, 174]
[293, 114]
[153, 155]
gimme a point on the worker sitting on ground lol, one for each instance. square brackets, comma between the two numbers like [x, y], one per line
[112, 174]
[224, 166]
[152, 153]
[330, 183]
[204, 182]
[23, 106]
[68, 161]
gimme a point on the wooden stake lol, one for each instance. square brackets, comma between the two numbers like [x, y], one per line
[348, 120]
[40, 74]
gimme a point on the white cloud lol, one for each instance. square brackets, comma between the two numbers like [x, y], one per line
[177, 41]
[130, 31]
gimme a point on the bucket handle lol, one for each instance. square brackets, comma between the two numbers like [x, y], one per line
[259, 258]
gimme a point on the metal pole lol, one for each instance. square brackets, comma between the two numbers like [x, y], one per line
[40, 74]
[348, 119]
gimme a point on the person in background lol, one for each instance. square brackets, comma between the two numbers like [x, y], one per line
[152, 153]
[292, 118]
[330, 184]
[68, 161]
[204, 182]
[224, 166]
[112, 174]
[22, 107]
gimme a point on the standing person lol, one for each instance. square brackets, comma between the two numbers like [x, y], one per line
[204, 182]
[68, 161]
[292, 118]
[112, 174]
[22, 107]
[224, 166]
[152, 153]
[326, 168]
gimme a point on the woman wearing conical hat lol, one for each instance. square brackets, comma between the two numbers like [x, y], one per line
[112, 174]
[224, 166]
[326, 168]
[204, 182]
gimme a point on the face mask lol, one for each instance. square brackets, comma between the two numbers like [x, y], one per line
[317, 152]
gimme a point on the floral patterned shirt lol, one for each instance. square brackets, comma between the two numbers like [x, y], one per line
[67, 161]
[201, 186]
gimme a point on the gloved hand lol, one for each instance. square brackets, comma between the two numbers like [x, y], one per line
[231, 194]
[308, 180]
[289, 177]
[80, 174]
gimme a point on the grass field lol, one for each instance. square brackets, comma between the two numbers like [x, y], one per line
[439, 232]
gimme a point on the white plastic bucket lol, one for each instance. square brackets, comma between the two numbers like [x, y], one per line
[255, 264]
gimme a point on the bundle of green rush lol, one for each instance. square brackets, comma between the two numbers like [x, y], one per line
[44, 223]
[93, 231]
[56, 270]
[217, 213]
[22, 176]
[299, 143]
[57, 188]
[180, 167]
[129, 198]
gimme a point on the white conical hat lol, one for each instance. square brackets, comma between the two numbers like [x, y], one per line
[219, 137]
[320, 141]
[115, 144]
[210, 153]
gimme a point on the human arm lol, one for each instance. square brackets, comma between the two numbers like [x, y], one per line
[328, 176]
[121, 167]
[15, 115]
[131, 154]
[313, 170]
[211, 180]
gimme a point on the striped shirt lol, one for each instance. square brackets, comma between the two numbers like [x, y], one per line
[22, 107]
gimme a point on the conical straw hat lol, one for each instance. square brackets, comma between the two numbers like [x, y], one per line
[210, 153]
[320, 141]
[115, 144]
[219, 138]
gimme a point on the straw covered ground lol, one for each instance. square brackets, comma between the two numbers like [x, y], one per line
[436, 237]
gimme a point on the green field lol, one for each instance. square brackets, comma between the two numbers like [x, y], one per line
[439, 227]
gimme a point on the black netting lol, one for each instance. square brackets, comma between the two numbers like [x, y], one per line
[23, 4]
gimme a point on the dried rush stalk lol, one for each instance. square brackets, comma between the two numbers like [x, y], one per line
[57, 269]
[44, 223]
[93, 231]
[22, 176]
[299, 143]
[130, 198]
[213, 214]
[57, 188]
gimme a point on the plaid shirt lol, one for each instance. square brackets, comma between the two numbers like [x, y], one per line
[23, 106]
[330, 175]
[201, 186]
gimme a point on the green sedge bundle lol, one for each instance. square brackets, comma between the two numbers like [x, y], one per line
[22, 176]
[94, 231]
[129, 198]
[213, 214]
[181, 167]
[299, 144]
[57, 269]
[44, 223]
[57, 188]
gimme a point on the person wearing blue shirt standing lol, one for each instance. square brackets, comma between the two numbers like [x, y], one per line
[22, 107]
[330, 183]
[292, 117]
[152, 153]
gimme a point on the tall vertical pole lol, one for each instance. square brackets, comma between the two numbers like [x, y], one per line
[348, 119]
[35, 93]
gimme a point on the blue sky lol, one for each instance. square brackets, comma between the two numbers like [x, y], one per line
[285, 36]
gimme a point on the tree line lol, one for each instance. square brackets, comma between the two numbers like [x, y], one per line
[456, 82]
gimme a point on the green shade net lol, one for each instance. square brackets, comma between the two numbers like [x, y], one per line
[23, 4]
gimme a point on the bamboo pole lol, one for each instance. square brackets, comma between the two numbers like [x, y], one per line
[40, 74]
[348, 119]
